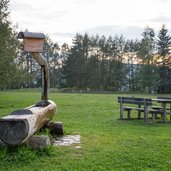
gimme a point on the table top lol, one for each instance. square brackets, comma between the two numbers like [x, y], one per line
[162, 100]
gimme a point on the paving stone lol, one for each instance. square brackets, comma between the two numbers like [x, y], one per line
[66, 140]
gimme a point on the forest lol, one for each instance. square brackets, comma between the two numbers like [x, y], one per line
[91, 62]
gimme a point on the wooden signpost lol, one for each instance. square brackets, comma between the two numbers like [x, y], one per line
[20, 125]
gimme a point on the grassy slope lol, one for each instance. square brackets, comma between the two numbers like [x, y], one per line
[106, 143]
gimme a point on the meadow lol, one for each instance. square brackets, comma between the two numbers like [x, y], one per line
[107, 143]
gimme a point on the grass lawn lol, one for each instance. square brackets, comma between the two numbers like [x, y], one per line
[106, 143]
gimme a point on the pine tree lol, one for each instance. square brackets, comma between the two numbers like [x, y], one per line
[51, 53]
[130, 49]
[147, 72]
[75, 65]
[164, 42]
[147, 45]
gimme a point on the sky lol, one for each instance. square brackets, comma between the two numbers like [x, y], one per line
[62, 19]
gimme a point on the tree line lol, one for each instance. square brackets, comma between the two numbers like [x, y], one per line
[115, 63]
[92, 62]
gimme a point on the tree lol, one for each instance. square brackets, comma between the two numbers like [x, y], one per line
[120, 68]
[147, 46]
[130, 50]
[62, 58]
[93, 72]
[51, 53]
[147, 72]
[75, 65]
[164, 42]
[115, 68]
[103, 62]
[8, 48]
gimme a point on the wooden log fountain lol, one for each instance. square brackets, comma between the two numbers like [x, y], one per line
[21, 124]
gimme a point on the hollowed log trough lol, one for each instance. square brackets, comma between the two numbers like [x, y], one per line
[20, 125]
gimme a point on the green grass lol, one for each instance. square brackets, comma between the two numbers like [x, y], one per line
[106, 143]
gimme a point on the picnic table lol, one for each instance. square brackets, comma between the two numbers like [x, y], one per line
[145, 106]
[164, 109]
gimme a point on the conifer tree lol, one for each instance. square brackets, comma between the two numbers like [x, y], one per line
[147, 72]
[164, 42]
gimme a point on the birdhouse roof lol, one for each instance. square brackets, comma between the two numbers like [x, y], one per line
[31, 35]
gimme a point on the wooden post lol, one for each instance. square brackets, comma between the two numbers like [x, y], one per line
[21, 124]
[45, 74]
[129, 114]
[121, 108]
[139, 112]
[145, 110]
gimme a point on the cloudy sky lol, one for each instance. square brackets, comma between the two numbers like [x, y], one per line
[62, 19]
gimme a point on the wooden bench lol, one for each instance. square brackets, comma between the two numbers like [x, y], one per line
[134, 103]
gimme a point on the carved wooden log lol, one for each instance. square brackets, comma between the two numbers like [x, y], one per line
[21, 124]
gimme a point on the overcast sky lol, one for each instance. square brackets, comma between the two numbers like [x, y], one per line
[62, 19]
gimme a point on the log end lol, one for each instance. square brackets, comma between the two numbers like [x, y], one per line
[13, 132]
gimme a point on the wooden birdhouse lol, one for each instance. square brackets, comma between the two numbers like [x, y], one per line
[33, 42]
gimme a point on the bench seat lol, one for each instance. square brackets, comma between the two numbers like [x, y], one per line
[132, 108]
[135, 103]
